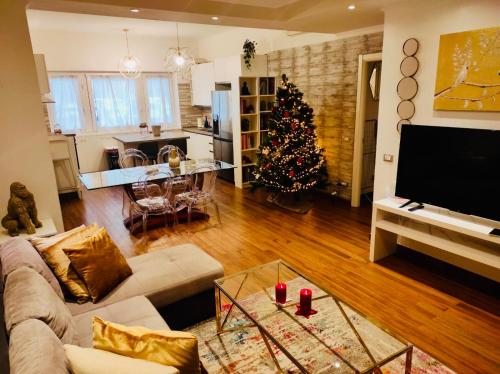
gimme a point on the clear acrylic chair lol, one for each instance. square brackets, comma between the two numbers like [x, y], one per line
[128, 160]
[202, 191]
[157, 190]
[165, 152]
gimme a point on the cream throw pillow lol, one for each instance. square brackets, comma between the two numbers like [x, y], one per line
[42, 244]
[171, 348]
[95, 361]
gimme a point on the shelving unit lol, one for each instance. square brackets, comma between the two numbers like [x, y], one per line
[255, 110]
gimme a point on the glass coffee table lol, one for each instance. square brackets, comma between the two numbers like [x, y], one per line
[338, 339]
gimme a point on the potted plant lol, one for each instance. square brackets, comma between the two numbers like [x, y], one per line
[249, 52]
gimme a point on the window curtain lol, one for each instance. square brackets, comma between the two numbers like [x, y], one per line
[115, 102]
[159, 100]
[67, 108]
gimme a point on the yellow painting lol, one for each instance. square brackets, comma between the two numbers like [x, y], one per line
[468, 73]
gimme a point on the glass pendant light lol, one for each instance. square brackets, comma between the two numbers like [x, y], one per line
[178, 59]
[129, 66]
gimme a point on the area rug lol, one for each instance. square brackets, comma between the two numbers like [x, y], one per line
[244, 350]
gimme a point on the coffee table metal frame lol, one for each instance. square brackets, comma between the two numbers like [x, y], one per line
[267, 336]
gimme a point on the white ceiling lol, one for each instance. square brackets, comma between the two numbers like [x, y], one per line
[73, 22]
[323, 16]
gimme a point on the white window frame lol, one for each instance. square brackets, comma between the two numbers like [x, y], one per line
[84, 102]
[140, 104]
[174, 97]
[88, 107]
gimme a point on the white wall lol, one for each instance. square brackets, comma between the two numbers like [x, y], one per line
[24, 145]
[230, 42]
[424, 20]
[83, 51]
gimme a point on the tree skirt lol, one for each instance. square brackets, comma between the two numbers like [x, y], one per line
[244, 350]
[295, 202]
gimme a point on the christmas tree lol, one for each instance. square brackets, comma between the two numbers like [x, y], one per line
[290, 159]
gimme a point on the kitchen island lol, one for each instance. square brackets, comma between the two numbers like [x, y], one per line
[138, 140]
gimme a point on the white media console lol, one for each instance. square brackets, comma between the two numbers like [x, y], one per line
[459, 240]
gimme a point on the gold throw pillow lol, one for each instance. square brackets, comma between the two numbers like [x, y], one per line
[172, 348]
[60, 263]
[99, 262]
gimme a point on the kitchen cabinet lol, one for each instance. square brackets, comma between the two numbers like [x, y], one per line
[202, 84]
[200, 146]
[63, 153]
[41, 72]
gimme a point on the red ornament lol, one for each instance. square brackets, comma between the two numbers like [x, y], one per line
[267, 166]
[310, 110]
[300, 160]
[291, 174]
[275, 143]
[286, 114]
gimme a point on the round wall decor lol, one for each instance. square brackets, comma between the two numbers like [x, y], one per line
[407, 88]
[409, 66]
[406, 109]
[402, 122]
[410, 47]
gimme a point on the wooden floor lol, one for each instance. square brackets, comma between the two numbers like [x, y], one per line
[451, 314]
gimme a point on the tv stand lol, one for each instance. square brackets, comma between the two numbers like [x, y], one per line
[447, 236]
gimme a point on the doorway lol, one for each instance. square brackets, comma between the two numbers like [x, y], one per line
[365, 132]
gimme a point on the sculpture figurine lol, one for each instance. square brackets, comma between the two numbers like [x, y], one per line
[21, 211]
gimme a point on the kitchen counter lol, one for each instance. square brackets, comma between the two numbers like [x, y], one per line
[197, 130]
[139, 138]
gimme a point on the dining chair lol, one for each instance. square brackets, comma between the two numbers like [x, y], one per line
[166, 150]
[156, 189]
[202, 190]
[128, 161]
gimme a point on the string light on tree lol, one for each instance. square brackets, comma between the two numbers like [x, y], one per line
[290, 159]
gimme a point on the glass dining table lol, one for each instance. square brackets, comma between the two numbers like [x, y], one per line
[128, 176]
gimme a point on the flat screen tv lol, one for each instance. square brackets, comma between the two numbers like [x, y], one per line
[454, 168]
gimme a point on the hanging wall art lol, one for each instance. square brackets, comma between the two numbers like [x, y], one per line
[468, 71]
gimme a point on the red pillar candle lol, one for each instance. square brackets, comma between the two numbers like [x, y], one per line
[280, 293]
[305, 301]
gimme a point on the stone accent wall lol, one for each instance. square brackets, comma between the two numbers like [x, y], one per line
[189, 113]
[327, 74]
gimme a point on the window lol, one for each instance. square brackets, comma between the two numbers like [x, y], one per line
[68, 105]
[115, 102]
[159, 100]
[108, 102]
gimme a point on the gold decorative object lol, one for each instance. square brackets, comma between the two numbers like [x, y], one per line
[174, 160]
[21, 211]
[468, 75]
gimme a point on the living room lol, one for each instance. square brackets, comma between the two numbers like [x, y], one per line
[430, 282]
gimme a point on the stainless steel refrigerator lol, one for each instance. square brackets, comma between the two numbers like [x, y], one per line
[223, 130]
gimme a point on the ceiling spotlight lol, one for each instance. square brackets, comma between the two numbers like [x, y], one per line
[351, 7]
[215, 18]
[135, 10]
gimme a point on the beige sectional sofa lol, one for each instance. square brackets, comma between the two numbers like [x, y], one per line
[159, 279]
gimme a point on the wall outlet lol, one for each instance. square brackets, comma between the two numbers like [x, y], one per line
[388, 157]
